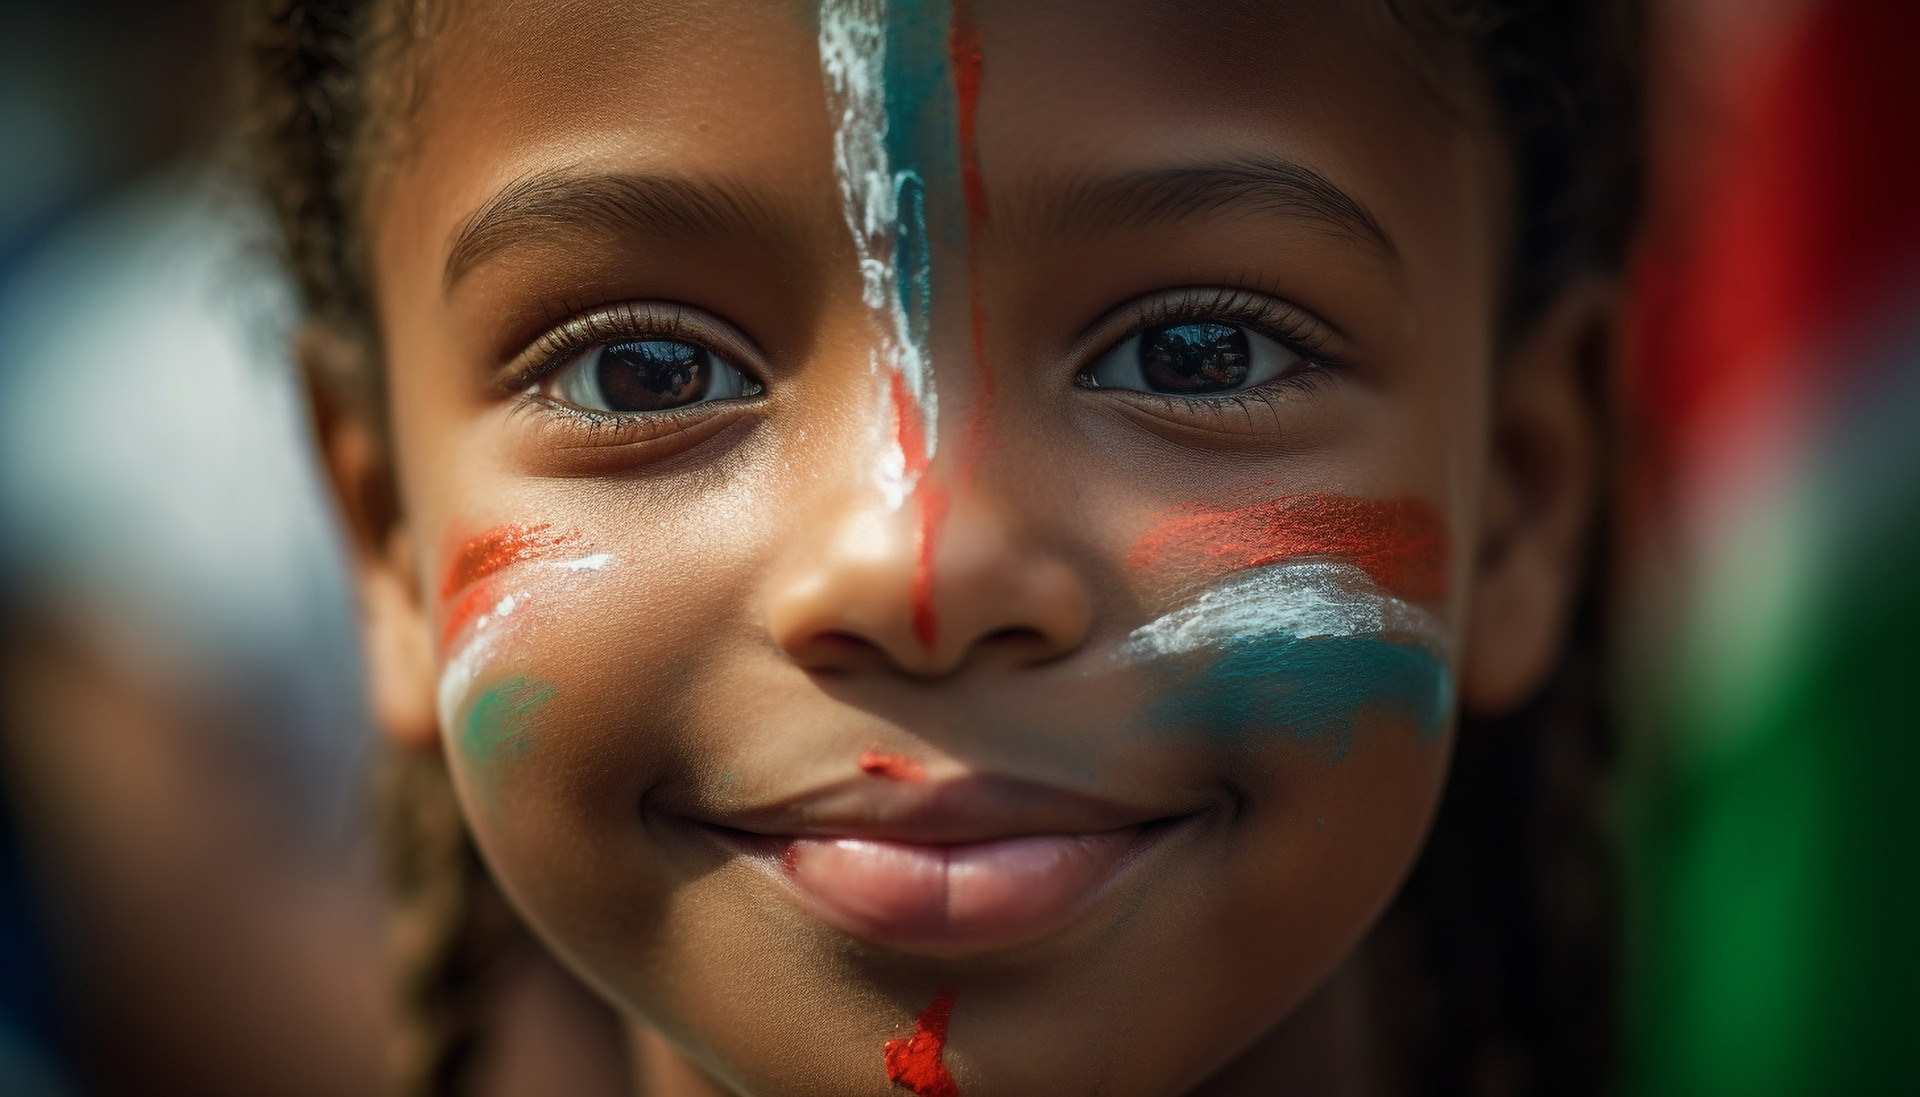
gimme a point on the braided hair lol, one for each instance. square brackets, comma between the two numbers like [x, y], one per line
[1495, 961]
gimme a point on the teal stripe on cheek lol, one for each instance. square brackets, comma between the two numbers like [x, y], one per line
[497, 725]
[1313, 690]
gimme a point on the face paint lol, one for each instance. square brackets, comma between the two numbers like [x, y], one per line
[1313, 624]
[482, 557]
[881, 89]
[969, 65]
[1401, 543]
[903, 81]
[915, 1062]
[893, 767]
[497, 723]
[488, 579]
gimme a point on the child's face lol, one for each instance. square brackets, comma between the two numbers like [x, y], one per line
[1054, 592]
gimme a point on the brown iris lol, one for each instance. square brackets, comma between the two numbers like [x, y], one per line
[652, 374]
[1194, 358]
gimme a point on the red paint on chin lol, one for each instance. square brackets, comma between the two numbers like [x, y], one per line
[1401, 543]
[480, 558]
[915, 1062]
[894, 767]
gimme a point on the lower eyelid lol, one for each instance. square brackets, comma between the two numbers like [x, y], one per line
[564, 424]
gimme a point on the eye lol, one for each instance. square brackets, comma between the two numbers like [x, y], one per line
[636, 376]
[1191, 358]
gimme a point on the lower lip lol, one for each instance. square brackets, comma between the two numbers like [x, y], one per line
[972, 897]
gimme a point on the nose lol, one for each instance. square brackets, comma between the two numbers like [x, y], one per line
[925, 590]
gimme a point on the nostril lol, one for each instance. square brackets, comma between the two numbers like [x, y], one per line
[1022, 645]
[1009, 636]
[835, 649]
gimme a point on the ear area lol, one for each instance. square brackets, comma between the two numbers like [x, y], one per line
[1543, 488]
[395, 627]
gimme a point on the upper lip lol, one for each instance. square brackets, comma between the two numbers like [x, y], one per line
[949, 811]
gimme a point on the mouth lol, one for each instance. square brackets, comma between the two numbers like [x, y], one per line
[948, 868]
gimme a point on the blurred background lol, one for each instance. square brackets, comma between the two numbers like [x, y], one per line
[185, 886]
[186, 890]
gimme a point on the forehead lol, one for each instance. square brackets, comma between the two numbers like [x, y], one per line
[1070, 88]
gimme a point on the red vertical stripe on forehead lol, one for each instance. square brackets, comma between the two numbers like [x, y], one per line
[963, 54]
[964, 57]
[1402, 543]
[496, 550]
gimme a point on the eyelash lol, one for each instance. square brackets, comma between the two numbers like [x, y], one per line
[559, 345]
[1286, 324]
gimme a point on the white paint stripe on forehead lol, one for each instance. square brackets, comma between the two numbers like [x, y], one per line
[853, 59]
[853, 56]
[1306, 599]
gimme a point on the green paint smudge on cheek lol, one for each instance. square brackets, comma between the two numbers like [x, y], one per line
[496, 726]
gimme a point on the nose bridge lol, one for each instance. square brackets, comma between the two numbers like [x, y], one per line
[922, 584]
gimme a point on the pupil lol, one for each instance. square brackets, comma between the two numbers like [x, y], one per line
[1189, 358]
[652, 374]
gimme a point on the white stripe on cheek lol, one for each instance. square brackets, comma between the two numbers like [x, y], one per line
[1306, 599]
[483, 639]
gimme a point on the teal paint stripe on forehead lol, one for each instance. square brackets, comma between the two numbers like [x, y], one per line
[913, 260]
[890, 87]
[923, 144]
[923, 113]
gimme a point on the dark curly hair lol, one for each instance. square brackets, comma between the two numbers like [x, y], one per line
[1494, 968]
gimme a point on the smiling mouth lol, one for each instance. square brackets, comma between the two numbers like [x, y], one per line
[951, 868]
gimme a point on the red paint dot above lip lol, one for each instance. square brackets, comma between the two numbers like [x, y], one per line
[916, 1062]
[893, 767]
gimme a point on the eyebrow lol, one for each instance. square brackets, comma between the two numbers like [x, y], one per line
[541, 206]
[1159, 196]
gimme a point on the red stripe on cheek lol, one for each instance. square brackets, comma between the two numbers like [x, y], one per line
[480, 558]
[915, 1061]
[463, 611]
[1401, 543]
[498, 549]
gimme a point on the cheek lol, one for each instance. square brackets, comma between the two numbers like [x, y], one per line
[1323, 849]
[1318, 691]
[1307, 619]
[528, 651]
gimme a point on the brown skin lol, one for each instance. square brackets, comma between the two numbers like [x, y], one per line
[753, 636]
